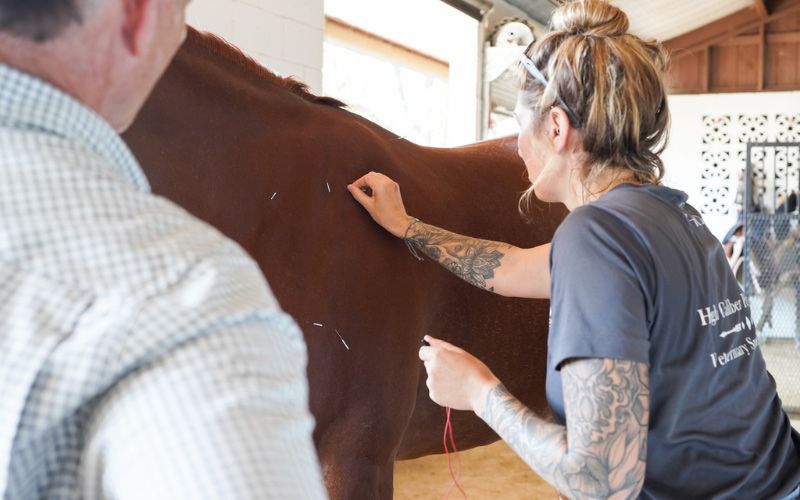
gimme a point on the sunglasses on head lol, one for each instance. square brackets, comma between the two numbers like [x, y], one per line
[534, 72]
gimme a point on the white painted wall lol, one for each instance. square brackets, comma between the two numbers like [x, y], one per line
[286, 36]
[432, 28]
[683, 158]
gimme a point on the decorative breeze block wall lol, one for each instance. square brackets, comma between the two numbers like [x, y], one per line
[723, 157]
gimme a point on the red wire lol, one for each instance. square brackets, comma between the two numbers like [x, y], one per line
[448, 431]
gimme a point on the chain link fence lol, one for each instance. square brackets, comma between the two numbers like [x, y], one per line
[771, 269]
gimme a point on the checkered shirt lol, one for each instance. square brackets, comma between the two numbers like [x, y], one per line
[142, 355]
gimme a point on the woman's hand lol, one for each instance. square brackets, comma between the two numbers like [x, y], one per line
[455, 377]
[385, 204]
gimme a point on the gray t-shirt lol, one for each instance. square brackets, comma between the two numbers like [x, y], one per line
[638, 276]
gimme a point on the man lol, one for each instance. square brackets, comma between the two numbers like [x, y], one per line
[141, 353]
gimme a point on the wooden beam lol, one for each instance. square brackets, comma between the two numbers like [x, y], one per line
[762, 57]
[682, 52]
[788, 37]
[699, 35]
[776, 5]
[740, 40]
[782, 87]
[761, 8]
[475, 10]
[338, 28]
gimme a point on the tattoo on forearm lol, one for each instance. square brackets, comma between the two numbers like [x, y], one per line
[537, 441]
[471, 259]
[604, 453]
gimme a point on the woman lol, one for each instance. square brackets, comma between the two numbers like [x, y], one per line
[655, 378]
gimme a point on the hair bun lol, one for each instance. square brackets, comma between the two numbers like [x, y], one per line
[590, 17]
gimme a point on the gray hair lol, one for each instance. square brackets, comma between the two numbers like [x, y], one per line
[42, 20]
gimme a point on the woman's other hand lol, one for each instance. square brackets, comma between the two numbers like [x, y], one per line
[456, 378]
[384, 204]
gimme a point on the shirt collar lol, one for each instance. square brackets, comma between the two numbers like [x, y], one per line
[27, 102]
[673, 194]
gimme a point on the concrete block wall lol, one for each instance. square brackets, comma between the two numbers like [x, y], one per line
[286, 36]
[683, 157]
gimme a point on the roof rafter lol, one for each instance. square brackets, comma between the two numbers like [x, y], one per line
[728, 31]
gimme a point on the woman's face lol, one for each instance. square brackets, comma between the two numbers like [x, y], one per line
[547, 170]
[525, 147]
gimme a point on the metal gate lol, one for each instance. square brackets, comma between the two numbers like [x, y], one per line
[771, 277]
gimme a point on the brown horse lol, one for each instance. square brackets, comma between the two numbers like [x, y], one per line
[266, 162]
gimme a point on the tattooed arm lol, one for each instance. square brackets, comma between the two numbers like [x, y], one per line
[602, 451]
[497, 267]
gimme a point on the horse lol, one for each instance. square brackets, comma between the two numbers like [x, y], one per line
[267, 162]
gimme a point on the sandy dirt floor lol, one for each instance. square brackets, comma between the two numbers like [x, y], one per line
[490, 472]
[783, 362]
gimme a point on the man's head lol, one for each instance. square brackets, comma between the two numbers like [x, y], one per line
[106, 53]
[39, 20]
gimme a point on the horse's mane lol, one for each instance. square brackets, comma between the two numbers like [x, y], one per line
[221, 47]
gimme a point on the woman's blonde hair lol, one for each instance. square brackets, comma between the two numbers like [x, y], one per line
[612, 83]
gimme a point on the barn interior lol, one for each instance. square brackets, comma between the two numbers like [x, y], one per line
[443, 73]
